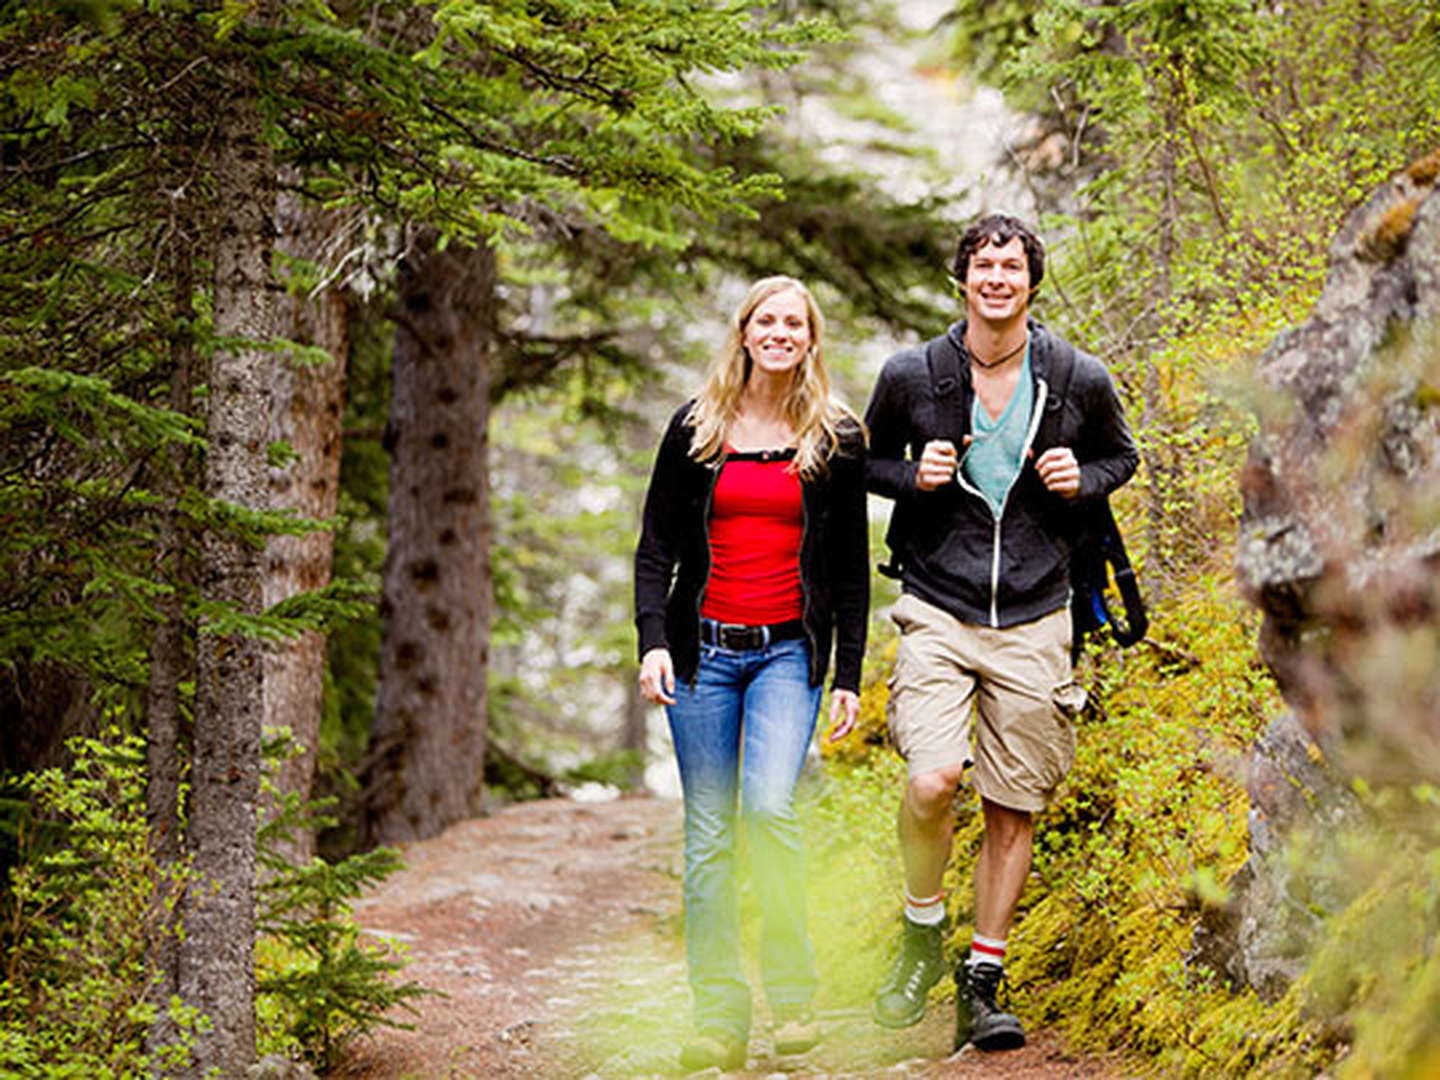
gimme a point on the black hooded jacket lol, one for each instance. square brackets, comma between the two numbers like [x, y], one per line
[672, 561]
[957, 555]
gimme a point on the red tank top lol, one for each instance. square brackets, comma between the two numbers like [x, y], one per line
[757, 521]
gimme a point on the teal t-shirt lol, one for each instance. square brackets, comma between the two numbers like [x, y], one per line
[992, 461]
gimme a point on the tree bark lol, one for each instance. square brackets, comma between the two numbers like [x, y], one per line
[428, 741]
[306, 413]
[217, 973]
[171, 663]
[635, 735]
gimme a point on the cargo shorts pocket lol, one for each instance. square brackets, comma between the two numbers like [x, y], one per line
[908, 692]
[1069, 699]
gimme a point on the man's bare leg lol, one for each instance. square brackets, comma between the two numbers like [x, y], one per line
[926, 828]
[1002, 868]
[1000, 874]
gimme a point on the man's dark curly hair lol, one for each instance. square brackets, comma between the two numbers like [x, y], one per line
[999, 229]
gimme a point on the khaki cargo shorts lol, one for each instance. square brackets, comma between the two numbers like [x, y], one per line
[1010, 689]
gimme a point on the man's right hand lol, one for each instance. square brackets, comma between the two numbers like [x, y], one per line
[937, 465]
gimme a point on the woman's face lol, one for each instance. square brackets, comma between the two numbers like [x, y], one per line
[777, 337]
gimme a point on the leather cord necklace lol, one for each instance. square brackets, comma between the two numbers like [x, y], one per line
[999, 360]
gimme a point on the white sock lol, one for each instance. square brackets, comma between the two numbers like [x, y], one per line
[984, 950]
[926, 911]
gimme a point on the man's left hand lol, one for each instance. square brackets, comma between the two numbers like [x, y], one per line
[1059, 471]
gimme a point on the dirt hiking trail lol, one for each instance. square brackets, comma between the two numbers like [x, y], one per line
[553, 929]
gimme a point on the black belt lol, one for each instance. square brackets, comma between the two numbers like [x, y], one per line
[739, 637]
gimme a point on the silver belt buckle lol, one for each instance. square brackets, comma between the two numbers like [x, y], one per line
[742, 636]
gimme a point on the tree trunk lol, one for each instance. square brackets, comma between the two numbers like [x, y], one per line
[217, 974]
[428, 742]
[635, 736]
[306, 413]
[171, 663]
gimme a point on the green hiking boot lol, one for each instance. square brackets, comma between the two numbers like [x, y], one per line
[796, 1031]
[713, 1050]
[918, 966]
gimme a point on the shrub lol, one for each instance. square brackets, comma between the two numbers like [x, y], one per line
[319, 984]
[86, 906]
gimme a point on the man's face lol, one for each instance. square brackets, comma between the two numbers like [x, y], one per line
[997, 282]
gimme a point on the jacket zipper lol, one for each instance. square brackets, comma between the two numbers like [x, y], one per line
[1037, 413]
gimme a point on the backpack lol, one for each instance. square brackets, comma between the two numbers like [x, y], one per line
[1097, 553]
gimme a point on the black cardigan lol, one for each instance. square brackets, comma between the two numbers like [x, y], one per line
[672, 561]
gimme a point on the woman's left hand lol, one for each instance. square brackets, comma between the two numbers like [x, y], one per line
[844, 711]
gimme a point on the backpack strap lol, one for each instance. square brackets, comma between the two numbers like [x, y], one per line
[942, 357]
[1136, 621]
[1061, 368]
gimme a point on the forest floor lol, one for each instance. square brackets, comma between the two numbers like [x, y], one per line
[553, 930]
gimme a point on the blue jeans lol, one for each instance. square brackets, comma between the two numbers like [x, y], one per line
[760, 700]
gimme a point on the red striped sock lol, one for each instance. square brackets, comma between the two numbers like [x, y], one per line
[925, 910]
[984, 950]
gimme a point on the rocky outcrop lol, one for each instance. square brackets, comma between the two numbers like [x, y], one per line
[1262, 937]
[1340, 539]
[1339, 548]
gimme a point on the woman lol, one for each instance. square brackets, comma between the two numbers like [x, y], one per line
[753, 559]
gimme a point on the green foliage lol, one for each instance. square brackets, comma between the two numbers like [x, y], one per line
[1230, 141]
[506, 106]
[1210, 152]
[87, 906]
[854, 875]
[320, 984]
[1373, 981]
[84, 909]
[1151, 823]
[75, 546]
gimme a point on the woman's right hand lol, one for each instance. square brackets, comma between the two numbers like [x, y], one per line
[657, 677]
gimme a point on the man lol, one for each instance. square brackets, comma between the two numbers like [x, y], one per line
[981, 533]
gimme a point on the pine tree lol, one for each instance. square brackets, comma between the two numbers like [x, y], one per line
[216, 954]
[429, 735]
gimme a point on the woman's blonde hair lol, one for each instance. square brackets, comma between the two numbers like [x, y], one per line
[811, 413]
